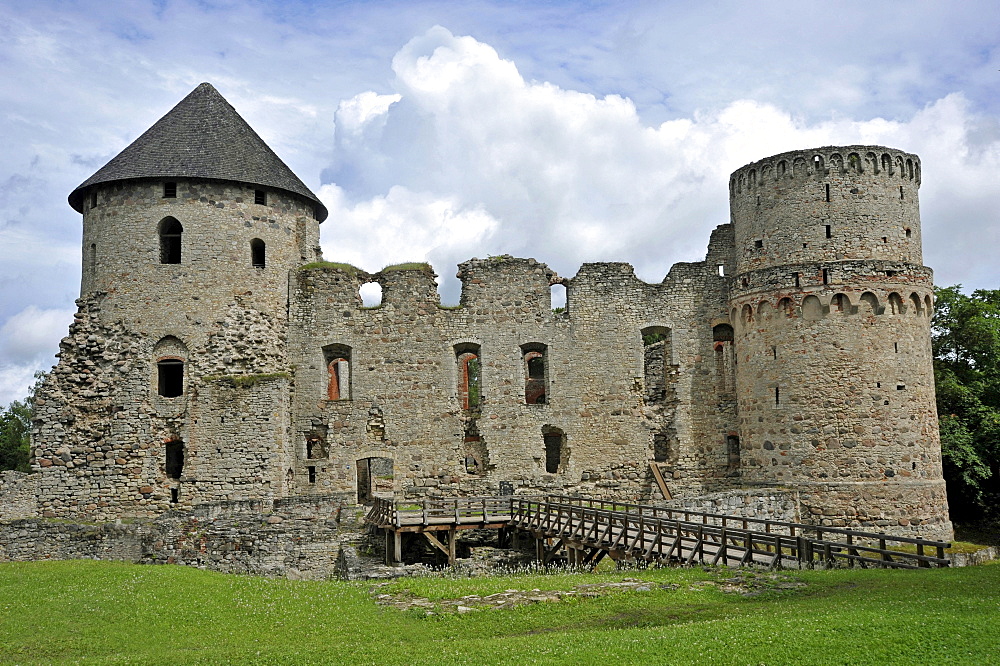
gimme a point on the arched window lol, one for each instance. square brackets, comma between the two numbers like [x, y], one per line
[725, 367]
[170, 241]
[257, 253]
[535, 374]
[338, 367]
[469, 376]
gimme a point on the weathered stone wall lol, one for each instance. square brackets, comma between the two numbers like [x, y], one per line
[403, 400]
[835, 381]
[297, 538]
[18, 495]
[779, 504]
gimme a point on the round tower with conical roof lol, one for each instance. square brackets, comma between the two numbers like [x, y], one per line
[832, 309]
[174, 377]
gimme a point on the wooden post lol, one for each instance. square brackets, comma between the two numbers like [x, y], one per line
[451, 547]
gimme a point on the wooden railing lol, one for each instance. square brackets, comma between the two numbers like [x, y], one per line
[663, 533]
[667, 534]
[457, 510]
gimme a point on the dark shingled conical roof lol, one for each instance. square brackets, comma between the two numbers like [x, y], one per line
[202, 137]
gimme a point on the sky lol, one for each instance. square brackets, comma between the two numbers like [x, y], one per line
[440, 131]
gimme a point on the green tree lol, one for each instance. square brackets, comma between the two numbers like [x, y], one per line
[15, 430]
[966, 343]
[15, 440]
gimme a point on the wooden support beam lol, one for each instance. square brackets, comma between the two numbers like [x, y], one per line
[434, 542]
[660, 481]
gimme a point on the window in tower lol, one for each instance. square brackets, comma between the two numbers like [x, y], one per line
[170, 241]
[260, 197]
[257, 258]
[169, 190]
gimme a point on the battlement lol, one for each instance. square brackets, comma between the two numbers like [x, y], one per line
[856, 161]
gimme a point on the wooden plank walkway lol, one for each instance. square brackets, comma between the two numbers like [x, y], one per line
[586, 530]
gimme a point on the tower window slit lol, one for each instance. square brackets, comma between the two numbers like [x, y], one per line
[828, 192]
[829, 233]
[777, 395]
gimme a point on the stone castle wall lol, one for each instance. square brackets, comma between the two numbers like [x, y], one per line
[404, 403]
[797, 353]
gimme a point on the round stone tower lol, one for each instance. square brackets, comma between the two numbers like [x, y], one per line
[831, 306]
[194, 214]
[174, 383]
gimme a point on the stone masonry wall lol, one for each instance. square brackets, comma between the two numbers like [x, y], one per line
[297, 538]
[403, 400]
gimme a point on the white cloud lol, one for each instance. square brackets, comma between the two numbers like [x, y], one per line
[27, 341]
[469, 155]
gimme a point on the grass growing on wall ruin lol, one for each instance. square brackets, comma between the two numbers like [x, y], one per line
[102, 612]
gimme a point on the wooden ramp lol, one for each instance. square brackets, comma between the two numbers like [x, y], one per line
[583, 531]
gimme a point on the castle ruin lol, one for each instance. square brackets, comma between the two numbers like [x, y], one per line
[216, 357]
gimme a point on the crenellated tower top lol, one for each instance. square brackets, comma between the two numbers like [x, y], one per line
[837, 203]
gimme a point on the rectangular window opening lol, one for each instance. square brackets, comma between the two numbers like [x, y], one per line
[798, 279]
[175, 495]
[829, 234]
[169, 190]
[777, 395]
[900, 387]
[828, 192]
[312, 473]
[722, 270]
[170, 378]
[758, 244]
[260, 197]
[826, 276]
[900, 192]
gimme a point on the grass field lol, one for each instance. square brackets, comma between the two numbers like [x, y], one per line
[100, 612]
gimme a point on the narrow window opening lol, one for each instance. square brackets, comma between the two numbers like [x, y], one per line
[758, 244]
[657, 359]
[260, 197]
[758, 200]
[798, 279]
[312, 473]
[725, 359]
[476, 456]
[170, 241]
[900, 192]
[170, 377]
[722, 270]
[93, 199]
[555, 450]
[777, 395]
[661, 447]
[557, 298]
[827, 191]
[174, 459]
[896, 346]
[774, 352]
[338, 368]
[169, 190]
[257, 253]
[878, 384]
[175, 495]
[469, 376]
[535, 374]
[733, 452]
[885, 239]
[826, 276]
[908, 232]
[829, 234]
[900, 387]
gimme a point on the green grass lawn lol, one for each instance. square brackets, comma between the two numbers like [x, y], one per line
[100, 612]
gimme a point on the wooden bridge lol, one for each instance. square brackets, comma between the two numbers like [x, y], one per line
[584, 531]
